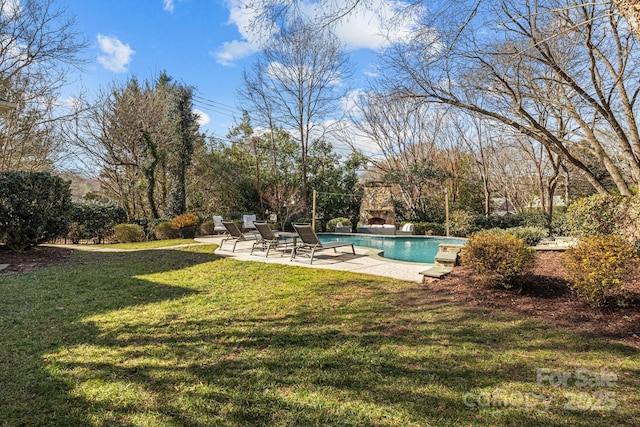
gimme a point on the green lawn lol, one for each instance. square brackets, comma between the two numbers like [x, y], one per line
[183, 337]
[151, 244]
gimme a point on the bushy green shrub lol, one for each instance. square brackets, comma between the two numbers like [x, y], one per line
[208, 227]
[461, 223]
[531, 235]
[97, 219]
[499, 259]
[429, 228]
[598, 266]
[481, 222]
[596, 215]
[34, 207]
[165, 230]
[559, 224]
[127, 233]
[331, 224]
[528, 219]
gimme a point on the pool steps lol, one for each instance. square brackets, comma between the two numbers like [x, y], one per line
[445, 260]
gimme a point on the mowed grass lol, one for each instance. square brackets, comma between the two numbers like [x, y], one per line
[183, 337]
[151, 244]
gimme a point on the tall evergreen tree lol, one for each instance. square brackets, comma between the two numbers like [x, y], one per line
[185, 126]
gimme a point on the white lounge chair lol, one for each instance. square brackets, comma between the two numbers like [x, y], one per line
[218, 227]
[407, 229]
[247, 222]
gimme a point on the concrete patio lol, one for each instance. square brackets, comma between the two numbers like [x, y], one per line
[365, 260]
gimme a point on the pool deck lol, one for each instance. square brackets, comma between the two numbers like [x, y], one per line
[364, 261]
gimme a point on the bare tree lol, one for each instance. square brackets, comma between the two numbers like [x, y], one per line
[38, 45]
[550, 53]
[408, 136]
[476, 134]
[300, 73]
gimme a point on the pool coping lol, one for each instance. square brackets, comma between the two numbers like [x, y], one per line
[375, 253]
[366, 261]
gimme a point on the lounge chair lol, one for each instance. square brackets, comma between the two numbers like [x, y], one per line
[268, 239]
[235, 235]
[407, 229]
[311, 243]
[247, 222]
[218, 227]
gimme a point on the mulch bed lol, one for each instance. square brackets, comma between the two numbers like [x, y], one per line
[546, 296]
[37, 257]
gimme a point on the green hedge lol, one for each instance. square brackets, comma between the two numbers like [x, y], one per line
[531, 235]
[429, 228]
[596, 215]
[35, 207]
[95, 220]
[128, 233]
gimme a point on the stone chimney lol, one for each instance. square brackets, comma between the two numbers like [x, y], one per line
[377, 204]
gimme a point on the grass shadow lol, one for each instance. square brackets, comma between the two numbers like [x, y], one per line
[186, 338]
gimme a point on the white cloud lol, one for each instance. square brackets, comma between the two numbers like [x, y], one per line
[349, 101]
[11, 8]
[241, 17]
[232, 51]
[168, 5]
[203, 118]
[116, 55]
[381, 24]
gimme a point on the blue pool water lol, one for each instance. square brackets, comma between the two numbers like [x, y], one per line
[412, 249]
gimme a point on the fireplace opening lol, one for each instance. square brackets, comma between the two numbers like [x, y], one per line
[376, 221]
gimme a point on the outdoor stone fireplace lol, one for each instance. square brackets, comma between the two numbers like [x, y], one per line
[377, 205]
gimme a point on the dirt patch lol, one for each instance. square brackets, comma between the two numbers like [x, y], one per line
[32, 259]
[546, 296]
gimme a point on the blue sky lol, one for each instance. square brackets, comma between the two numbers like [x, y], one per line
[202, 43]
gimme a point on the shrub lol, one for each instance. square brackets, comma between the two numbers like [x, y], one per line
[165, 230]
[97, 218]
[185, 220]
[461, 223]
[186, 224]
[503, 260]
[429, 228]
[481, 222]
[331, 224]
[531, 235]
[127, 233]
[598, 266]
[531, 219]
[596, 215]
[34, 208]
[559, 224]
[208, 228]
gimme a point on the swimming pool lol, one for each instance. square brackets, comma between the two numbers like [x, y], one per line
[412, 249]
